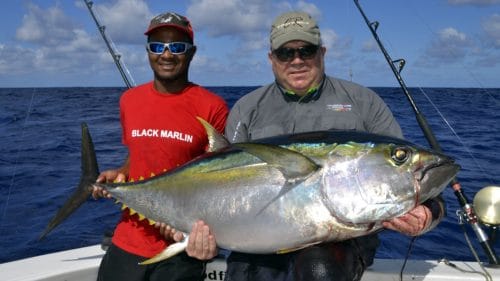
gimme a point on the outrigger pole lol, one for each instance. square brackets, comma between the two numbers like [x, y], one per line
[468, 209]
[114, 54]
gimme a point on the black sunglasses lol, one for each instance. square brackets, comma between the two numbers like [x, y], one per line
[288, 54]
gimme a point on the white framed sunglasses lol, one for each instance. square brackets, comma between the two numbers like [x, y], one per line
[175, 48]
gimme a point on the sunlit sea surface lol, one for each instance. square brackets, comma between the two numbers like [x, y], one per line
[40, 162]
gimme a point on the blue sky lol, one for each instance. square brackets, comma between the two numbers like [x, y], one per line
[446, 43]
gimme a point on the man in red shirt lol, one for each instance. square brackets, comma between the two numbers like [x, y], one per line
[161, 132]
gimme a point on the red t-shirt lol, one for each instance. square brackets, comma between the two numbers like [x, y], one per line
[161, 132]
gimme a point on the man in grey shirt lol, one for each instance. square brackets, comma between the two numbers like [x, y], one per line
[301, 99]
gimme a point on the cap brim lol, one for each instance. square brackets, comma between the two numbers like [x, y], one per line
[180, 28]
[295, 35]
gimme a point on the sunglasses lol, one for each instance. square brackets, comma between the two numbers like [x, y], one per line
[175, 48]
[288, 54]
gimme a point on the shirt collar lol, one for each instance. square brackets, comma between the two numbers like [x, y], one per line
[312, 94]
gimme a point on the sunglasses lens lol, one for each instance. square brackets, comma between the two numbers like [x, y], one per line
[285, 54]
[288, 54]
[307, 52]
[157, 48]
[177, 47]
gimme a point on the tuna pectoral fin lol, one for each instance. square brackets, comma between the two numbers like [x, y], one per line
[170, 251]
[90, 171]
[294, 165]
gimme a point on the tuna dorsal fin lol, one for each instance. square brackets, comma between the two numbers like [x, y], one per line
[216, 141]
[294, 165]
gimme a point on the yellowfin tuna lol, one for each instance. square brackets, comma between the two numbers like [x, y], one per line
[284, 193]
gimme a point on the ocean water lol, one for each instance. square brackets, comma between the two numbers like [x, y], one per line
[40, 163]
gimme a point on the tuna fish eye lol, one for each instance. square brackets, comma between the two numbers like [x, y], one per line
[400, 155]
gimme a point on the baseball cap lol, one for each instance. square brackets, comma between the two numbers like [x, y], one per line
[173, 20]
[294, 26]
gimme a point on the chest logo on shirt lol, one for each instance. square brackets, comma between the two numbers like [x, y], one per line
[339, 107]
[164, 134]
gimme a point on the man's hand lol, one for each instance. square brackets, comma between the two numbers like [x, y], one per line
[413, 223]
[106, 177]
[201, 243]
[169, 232]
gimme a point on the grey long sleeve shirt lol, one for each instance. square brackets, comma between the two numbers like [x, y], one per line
[337, 104]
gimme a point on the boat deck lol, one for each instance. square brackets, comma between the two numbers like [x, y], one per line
[81, 265]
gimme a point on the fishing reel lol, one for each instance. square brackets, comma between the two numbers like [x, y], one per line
[485, 211]
[487, 206]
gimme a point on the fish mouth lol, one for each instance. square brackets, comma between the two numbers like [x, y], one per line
[435, 176]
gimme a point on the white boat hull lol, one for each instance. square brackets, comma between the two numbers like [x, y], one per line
[81, 265]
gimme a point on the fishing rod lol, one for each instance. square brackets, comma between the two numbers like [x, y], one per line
[106, 241]
[467, 208]
[111, 49]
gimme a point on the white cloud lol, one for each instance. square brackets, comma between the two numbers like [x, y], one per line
[369, 46]
[49, 26]
[329, 38]
[230, 17]
[12, 59]
[450, 46]
[452, 35]
[337, 47]
[309, 8]
[125, 20]
[491, 28]
[57, 45]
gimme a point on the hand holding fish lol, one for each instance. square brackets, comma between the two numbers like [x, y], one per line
[201, 243]
[169, 232]
[413, 223]
[107, 176]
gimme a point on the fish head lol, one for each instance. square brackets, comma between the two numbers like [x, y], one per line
[367, 182]
[432, 171]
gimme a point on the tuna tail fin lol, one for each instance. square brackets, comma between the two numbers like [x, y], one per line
[90, 171]
[169, 252]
